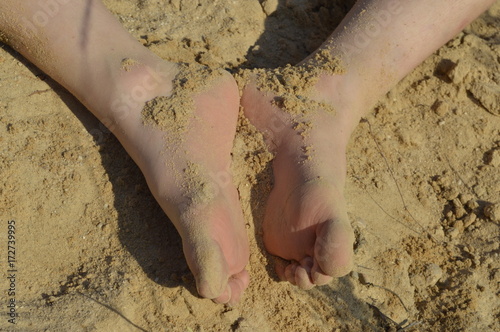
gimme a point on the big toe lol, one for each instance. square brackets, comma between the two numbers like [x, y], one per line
[218, 266]
[234, 289]
[333, 250]
[208, 266]
[212, 274]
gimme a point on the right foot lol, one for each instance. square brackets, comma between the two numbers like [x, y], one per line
[305, 221]
[186, 167]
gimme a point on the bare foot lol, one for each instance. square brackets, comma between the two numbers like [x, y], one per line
[305, 220]
[182, 149]
[182, 145]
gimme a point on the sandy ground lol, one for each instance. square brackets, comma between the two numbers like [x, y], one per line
[94, 252]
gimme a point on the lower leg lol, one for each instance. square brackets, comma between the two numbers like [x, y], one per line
[77, 43]
[380, 41]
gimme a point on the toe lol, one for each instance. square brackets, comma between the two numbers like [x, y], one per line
[225, 297]
[303, 274]
[290, 273]
[238, 284]
[217, 264]
[333, 251]
[210, 270]
[280, 266]
[234, 289]
[319, 277]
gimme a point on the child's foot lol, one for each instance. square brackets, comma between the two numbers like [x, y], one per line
[182, 145]
[305, 220]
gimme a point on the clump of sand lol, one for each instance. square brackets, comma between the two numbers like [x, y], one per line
[173, 113]
[292, 85]
[127, 64]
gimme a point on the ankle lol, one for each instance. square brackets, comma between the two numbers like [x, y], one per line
[349, 104]
[134, 85]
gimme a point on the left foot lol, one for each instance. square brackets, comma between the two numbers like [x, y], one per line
[182, 142]
[306, 218]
